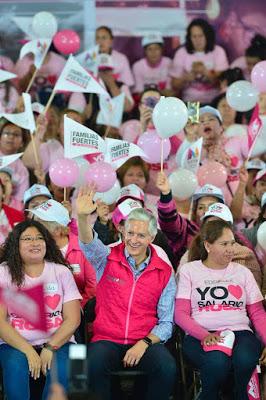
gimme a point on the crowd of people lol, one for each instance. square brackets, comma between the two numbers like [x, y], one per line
[153, 262]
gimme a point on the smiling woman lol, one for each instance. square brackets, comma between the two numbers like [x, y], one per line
[30, 257]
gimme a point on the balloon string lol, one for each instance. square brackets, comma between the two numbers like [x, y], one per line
[161, 155]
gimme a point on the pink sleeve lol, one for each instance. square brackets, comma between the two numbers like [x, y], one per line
[6, 63]
[221, 61]
[77, 101]
[178, 66]
[23, 183]
[125, 72]
[13, 98]
[184, 320]
[70, 289]
[257, 316]
[137, 72]
[253, 292]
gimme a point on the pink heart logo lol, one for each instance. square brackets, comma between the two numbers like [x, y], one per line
[235, 291]
[52, 301]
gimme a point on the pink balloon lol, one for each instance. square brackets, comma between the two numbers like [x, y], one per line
[64, 172]
[150, 143]
[102, 174]
[258, 76]
[213, 173]
[66, 41]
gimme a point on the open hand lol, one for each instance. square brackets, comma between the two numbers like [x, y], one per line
[84, 203]
[134, 354]
[162, 183]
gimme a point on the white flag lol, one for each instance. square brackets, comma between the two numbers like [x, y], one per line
[39, 48]
[38, 108]
[111, 110]
[80, 140]
[6, 160]
[119, 151]
[89, 59]
[5, 75]
[25, 24]
[25, 119]
[74, 78]
[191, 157]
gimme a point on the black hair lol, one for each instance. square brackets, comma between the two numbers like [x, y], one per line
[257, 47]
[208, 31]
[148, 88]
[231, 75]
[10, 250]
[107, 29]
[215, 102]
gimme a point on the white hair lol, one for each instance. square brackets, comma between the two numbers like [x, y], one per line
[140, 214]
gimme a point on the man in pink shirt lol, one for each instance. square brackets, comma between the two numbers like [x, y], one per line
[154, 68]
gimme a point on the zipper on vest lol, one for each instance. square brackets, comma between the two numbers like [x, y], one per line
[129, 308]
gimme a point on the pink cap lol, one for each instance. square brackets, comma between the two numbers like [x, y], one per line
[122, 211]
[226, 346]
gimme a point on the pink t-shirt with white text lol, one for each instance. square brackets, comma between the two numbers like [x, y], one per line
[145, 74]
[59, 288]
[215, 60]
[218, 297]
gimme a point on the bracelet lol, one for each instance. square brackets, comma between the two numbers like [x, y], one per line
[50, 347]
[147, 340]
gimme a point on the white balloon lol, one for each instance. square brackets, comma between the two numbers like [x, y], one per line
[170, 116]
[236, 130]
[110, 196]
[261, 236]
[242, 96]
[44, 24]
[183, 183]
[83, 167]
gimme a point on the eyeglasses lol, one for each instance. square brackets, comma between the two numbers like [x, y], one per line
[15, 135]
[28, 239]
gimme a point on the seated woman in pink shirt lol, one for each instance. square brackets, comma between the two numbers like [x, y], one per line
[31, 257]
[255, 53]
[154, 68]
[215, 294]
[197, 64]
[12, 141]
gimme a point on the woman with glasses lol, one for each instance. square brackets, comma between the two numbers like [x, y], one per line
[13, 139]
[30, 257]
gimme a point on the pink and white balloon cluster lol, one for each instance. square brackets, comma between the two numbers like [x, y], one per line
[44, 25]
[243, 95]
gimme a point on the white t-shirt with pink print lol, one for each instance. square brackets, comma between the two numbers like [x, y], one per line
[59, 288]
[218, 297]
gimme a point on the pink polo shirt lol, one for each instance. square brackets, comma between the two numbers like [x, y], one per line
[145, 74]
[215, 60]
[122, 69]
[59, 288]
[219, 298]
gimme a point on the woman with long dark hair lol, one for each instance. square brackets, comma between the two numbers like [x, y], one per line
[197, 64]
[30, 257]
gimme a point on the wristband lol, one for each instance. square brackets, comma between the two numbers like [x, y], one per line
[147, 340]
[48, 346]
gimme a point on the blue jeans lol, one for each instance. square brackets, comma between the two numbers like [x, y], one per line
[215, 366]
[16, 372]
[158, 364]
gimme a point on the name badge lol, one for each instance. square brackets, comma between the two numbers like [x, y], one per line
[75, 268]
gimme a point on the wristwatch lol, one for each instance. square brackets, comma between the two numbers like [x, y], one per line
[50, 347]
[147, 340]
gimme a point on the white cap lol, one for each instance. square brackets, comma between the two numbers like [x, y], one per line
[52, 211]
[219, 210]
[36, 190]
[151, 38]
[211, 110]
[255, 164]
[260, 175]
[105, 61]
[123, 209]
[131, 191]
[263, 200]
[208, 190]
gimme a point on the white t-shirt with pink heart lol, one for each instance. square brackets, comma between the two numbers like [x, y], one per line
[218, 297]
[59, 288]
